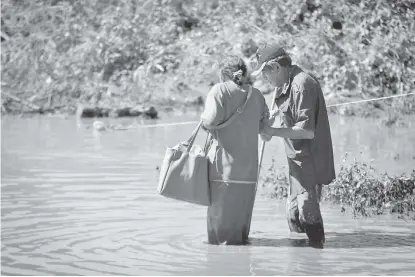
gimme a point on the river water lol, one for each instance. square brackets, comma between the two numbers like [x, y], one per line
[75, 201]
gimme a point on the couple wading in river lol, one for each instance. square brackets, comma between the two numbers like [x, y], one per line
[233, 151]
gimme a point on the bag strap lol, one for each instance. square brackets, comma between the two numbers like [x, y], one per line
[238, 112]
[192, 138]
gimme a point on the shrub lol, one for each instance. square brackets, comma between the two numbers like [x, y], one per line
[80, 51]
[357, 186]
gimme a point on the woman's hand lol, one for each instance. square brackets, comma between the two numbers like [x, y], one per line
[266, 134]
[272, 115]
[265, 137]
[203, 127]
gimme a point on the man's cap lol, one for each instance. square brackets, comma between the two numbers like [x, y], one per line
[267, 53]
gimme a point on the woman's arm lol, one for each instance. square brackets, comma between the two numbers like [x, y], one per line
[266, 120]
[214, 111]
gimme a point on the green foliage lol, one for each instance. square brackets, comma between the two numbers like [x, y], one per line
[165, 51]
[359, 186]
[79, 49]
[275, 183]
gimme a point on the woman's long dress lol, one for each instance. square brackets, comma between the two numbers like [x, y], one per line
[233, 157]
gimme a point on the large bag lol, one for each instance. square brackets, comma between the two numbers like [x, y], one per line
[184, 171]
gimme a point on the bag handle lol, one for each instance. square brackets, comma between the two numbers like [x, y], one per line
[192, 138]
[238, 112]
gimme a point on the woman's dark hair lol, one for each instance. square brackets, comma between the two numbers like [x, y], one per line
[233, 68]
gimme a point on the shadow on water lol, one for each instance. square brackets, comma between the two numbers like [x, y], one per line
[360, 239]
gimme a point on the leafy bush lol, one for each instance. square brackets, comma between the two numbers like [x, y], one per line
[79, 49]
[357, 186]
[144, 51]
[275, 183]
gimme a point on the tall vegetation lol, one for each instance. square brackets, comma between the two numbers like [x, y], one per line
[107, 52]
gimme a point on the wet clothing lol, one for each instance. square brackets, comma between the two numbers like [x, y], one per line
[233, 160]
[303, 211]
[230, 212]
[310, 161]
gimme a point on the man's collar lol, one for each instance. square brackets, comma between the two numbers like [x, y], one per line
[285, 89]
[287, 86]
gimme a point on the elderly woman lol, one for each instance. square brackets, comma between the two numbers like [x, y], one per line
[234, 115]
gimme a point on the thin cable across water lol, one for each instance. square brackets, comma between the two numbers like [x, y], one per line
[328, 106]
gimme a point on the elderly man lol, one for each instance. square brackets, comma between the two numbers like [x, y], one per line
[306, 132]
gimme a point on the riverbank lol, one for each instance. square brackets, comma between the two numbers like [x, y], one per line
[391, 111]
[59, 55]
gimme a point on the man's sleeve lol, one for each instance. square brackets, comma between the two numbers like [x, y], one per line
[305, 102]
[214, 112]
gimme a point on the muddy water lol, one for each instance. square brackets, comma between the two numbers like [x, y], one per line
[79, 202]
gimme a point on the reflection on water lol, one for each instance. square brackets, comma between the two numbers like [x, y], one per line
[76, 201]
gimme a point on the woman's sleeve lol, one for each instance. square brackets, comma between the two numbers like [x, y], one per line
[264, 121]
[214, 112]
